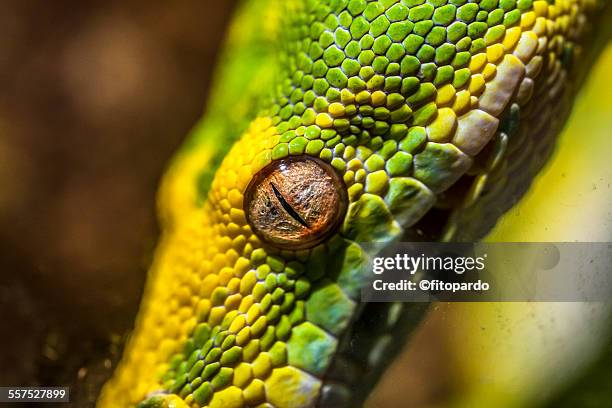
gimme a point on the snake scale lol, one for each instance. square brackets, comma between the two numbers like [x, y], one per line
[332, 123]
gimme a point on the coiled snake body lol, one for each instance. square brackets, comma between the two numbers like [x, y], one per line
[333, 123]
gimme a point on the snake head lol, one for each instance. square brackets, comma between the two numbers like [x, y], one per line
[384, 120]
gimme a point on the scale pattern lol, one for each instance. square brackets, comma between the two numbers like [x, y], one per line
[416, 104]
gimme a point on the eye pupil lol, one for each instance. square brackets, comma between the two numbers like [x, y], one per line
[295, 203]
[288, 207]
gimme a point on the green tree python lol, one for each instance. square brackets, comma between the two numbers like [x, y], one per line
[333, 123]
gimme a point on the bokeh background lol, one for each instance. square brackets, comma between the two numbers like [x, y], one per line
[94, 98]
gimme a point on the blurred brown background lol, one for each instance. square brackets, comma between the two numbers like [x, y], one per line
[94, 98]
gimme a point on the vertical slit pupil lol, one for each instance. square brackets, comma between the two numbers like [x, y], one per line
[288, 207]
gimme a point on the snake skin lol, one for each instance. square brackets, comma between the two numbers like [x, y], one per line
[437, 114]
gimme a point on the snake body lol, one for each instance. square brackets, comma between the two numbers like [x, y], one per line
[435, 114]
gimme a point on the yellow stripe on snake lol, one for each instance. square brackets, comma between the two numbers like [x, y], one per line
[333, 123]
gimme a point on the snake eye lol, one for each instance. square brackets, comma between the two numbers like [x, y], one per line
[295, 203]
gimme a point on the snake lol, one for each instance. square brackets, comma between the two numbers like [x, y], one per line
[332, 124]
